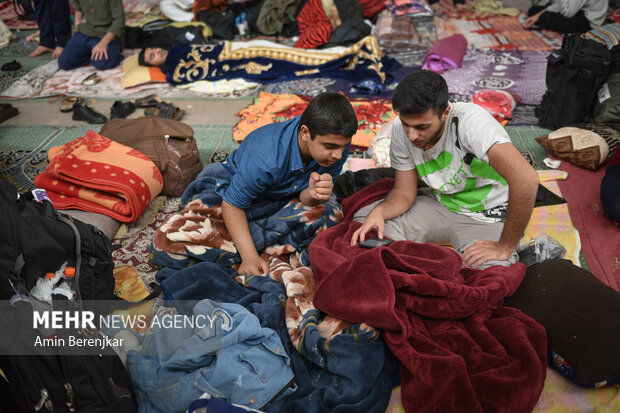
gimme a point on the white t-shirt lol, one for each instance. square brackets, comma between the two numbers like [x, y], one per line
[461, 178]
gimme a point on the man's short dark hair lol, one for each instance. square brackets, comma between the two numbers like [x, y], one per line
[330, 113]
[141, 59]
[420, 91]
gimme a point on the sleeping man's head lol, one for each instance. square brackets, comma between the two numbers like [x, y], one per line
[152, 56]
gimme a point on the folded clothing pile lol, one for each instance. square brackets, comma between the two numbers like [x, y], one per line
[406, 38]
[90, 173]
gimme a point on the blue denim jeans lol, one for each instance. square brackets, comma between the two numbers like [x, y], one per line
[238, 361]
[350, 370]
[79, 48]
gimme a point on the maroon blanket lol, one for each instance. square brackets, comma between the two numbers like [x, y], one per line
[459, 348]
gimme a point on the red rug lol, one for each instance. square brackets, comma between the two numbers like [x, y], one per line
[600, 239]
[12, 21]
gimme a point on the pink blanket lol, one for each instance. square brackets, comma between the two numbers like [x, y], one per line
[459, 348]
[447, 54]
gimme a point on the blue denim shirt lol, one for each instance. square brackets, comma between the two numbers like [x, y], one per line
[238, 361]
[268, 164]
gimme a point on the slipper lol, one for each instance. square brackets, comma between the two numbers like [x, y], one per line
[150, 101]
[13, 65]
[7, 111]
[66, 104]
[91, 80]
[165, 110]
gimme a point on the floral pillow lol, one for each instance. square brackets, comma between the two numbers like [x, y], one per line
[585, 144]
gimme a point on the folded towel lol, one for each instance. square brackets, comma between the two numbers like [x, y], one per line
[90, 173]
[447, 54]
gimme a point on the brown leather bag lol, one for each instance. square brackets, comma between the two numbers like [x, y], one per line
[170, 144]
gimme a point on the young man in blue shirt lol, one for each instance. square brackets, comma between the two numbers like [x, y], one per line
[299, 158]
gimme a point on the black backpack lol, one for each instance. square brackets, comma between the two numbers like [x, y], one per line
[38, 239]
[66, 383]
[574, 75]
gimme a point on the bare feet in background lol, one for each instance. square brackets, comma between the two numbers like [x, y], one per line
[57, 51]
[40, 50]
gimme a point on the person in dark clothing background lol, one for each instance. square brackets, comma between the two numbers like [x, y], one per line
[568, 16]
[54, 21]
[99, 38]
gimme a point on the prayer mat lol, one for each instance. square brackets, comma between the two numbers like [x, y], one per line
[18, 48]
[268, 108]
[134, 249]
[506, 33]
[524, 115]
[8, 78]
[519, 72]
[12, 20]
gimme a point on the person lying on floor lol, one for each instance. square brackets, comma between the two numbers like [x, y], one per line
[299, 158]
[481, 190]
[263, 61]
[98, 41]
[568, 16]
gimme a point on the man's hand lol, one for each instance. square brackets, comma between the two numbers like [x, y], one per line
[253, 266]
[99, 51]
[374, 220]
[532, 20]
[483, 251]
[320, 187]
[77, 17]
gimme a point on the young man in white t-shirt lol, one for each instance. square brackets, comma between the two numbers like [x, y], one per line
[481, 190]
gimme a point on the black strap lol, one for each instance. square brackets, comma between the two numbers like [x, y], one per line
[469, 157]
[17, 281]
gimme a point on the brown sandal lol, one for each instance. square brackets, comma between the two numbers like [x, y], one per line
[150, 101]
[165, 110]
[66, 104]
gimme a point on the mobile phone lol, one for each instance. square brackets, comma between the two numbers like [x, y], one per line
[375, 242]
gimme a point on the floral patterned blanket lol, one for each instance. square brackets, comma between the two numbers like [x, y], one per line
[269, 108]
[198, 232]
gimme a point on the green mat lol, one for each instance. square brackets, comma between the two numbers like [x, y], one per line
[23, 150]
[523, 139]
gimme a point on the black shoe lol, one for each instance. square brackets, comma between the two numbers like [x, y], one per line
[86, 113]
[14, 65]
[120, 110]
[7, 111]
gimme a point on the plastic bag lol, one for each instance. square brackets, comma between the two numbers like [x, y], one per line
[539, 249]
